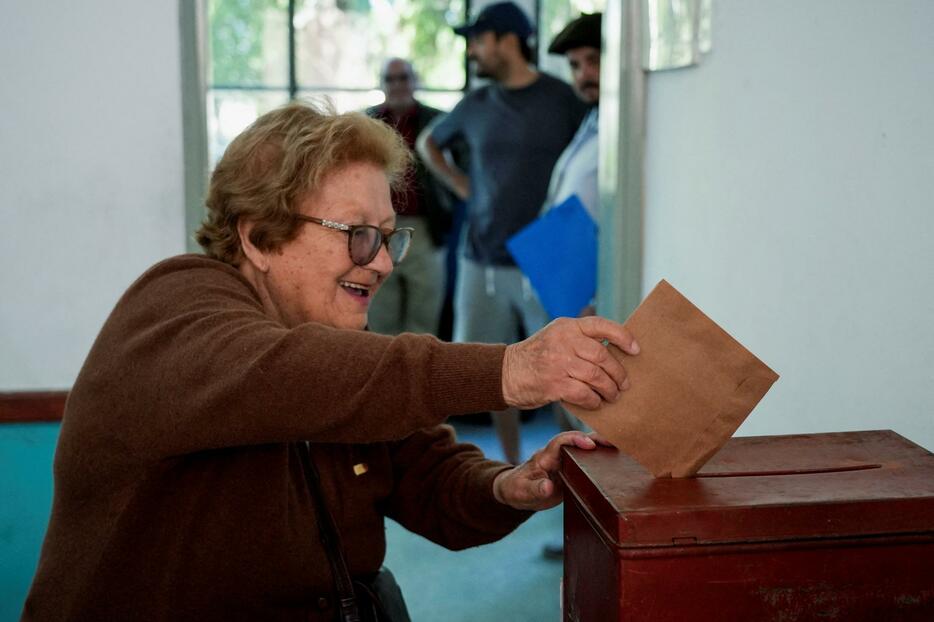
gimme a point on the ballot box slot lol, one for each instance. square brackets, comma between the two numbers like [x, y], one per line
[812, 471]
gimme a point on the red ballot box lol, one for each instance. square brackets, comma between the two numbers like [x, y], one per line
[804, 527]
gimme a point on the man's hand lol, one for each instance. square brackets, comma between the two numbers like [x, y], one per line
[534, 484]
[567, 361]
[460, 184]
[442, 166]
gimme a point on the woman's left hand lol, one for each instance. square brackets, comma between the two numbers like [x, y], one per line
[534, 484]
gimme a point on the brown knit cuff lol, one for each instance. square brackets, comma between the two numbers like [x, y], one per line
[476, 370]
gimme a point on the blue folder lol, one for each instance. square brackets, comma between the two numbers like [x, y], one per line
[558, 253]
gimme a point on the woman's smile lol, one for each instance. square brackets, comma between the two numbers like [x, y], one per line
[358, 290]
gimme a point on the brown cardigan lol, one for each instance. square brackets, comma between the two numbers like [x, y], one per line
[179, 491]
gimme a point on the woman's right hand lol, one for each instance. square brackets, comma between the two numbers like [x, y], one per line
[567, 361]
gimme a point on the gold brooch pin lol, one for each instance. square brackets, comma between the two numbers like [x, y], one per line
[360, 468]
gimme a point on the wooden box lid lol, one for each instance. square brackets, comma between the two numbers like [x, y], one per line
[762, 488]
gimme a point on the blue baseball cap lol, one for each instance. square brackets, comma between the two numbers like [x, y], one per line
[501, 17]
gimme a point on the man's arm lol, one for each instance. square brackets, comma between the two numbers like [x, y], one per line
[441, 165]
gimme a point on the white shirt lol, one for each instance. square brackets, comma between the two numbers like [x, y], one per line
[575, 171]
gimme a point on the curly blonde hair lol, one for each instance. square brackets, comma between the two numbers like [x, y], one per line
[283, 157]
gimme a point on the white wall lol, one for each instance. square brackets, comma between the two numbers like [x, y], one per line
[91, 175]
[790, 194]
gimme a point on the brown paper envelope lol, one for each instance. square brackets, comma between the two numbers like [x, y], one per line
[692, 386]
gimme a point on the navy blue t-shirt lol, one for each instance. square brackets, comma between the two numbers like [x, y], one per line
[515, 137]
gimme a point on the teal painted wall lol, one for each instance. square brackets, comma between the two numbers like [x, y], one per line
[26, 452]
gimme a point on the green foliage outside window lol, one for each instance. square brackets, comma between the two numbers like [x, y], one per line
[248, 40]
[236, 39]
[427, 24]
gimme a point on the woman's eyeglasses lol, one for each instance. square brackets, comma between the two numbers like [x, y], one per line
[363, 241]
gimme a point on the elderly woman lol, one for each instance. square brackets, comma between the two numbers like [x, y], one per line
[235, 438]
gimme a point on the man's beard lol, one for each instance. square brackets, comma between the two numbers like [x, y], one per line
[482, 71]
[589, 92]
[488, 70]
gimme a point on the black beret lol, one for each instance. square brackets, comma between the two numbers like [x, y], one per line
[583, 31]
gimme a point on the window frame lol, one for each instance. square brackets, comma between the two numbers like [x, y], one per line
[294, 90]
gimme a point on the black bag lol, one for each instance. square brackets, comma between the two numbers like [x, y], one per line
[379, 598]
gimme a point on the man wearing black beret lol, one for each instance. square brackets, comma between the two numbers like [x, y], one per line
[575, 172]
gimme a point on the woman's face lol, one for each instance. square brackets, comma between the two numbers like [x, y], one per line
[312, 278]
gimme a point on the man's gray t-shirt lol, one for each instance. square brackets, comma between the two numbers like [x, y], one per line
[515, 137]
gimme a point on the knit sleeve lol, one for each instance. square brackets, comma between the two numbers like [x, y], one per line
[189, 361]
[443, 490]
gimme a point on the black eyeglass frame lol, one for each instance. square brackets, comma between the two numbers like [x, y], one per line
[382, 237]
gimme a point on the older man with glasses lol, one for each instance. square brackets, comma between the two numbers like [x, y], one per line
[411, 300]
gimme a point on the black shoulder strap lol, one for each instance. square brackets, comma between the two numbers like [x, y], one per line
[330, 539]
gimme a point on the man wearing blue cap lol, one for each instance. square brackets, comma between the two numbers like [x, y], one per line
[515, 128]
